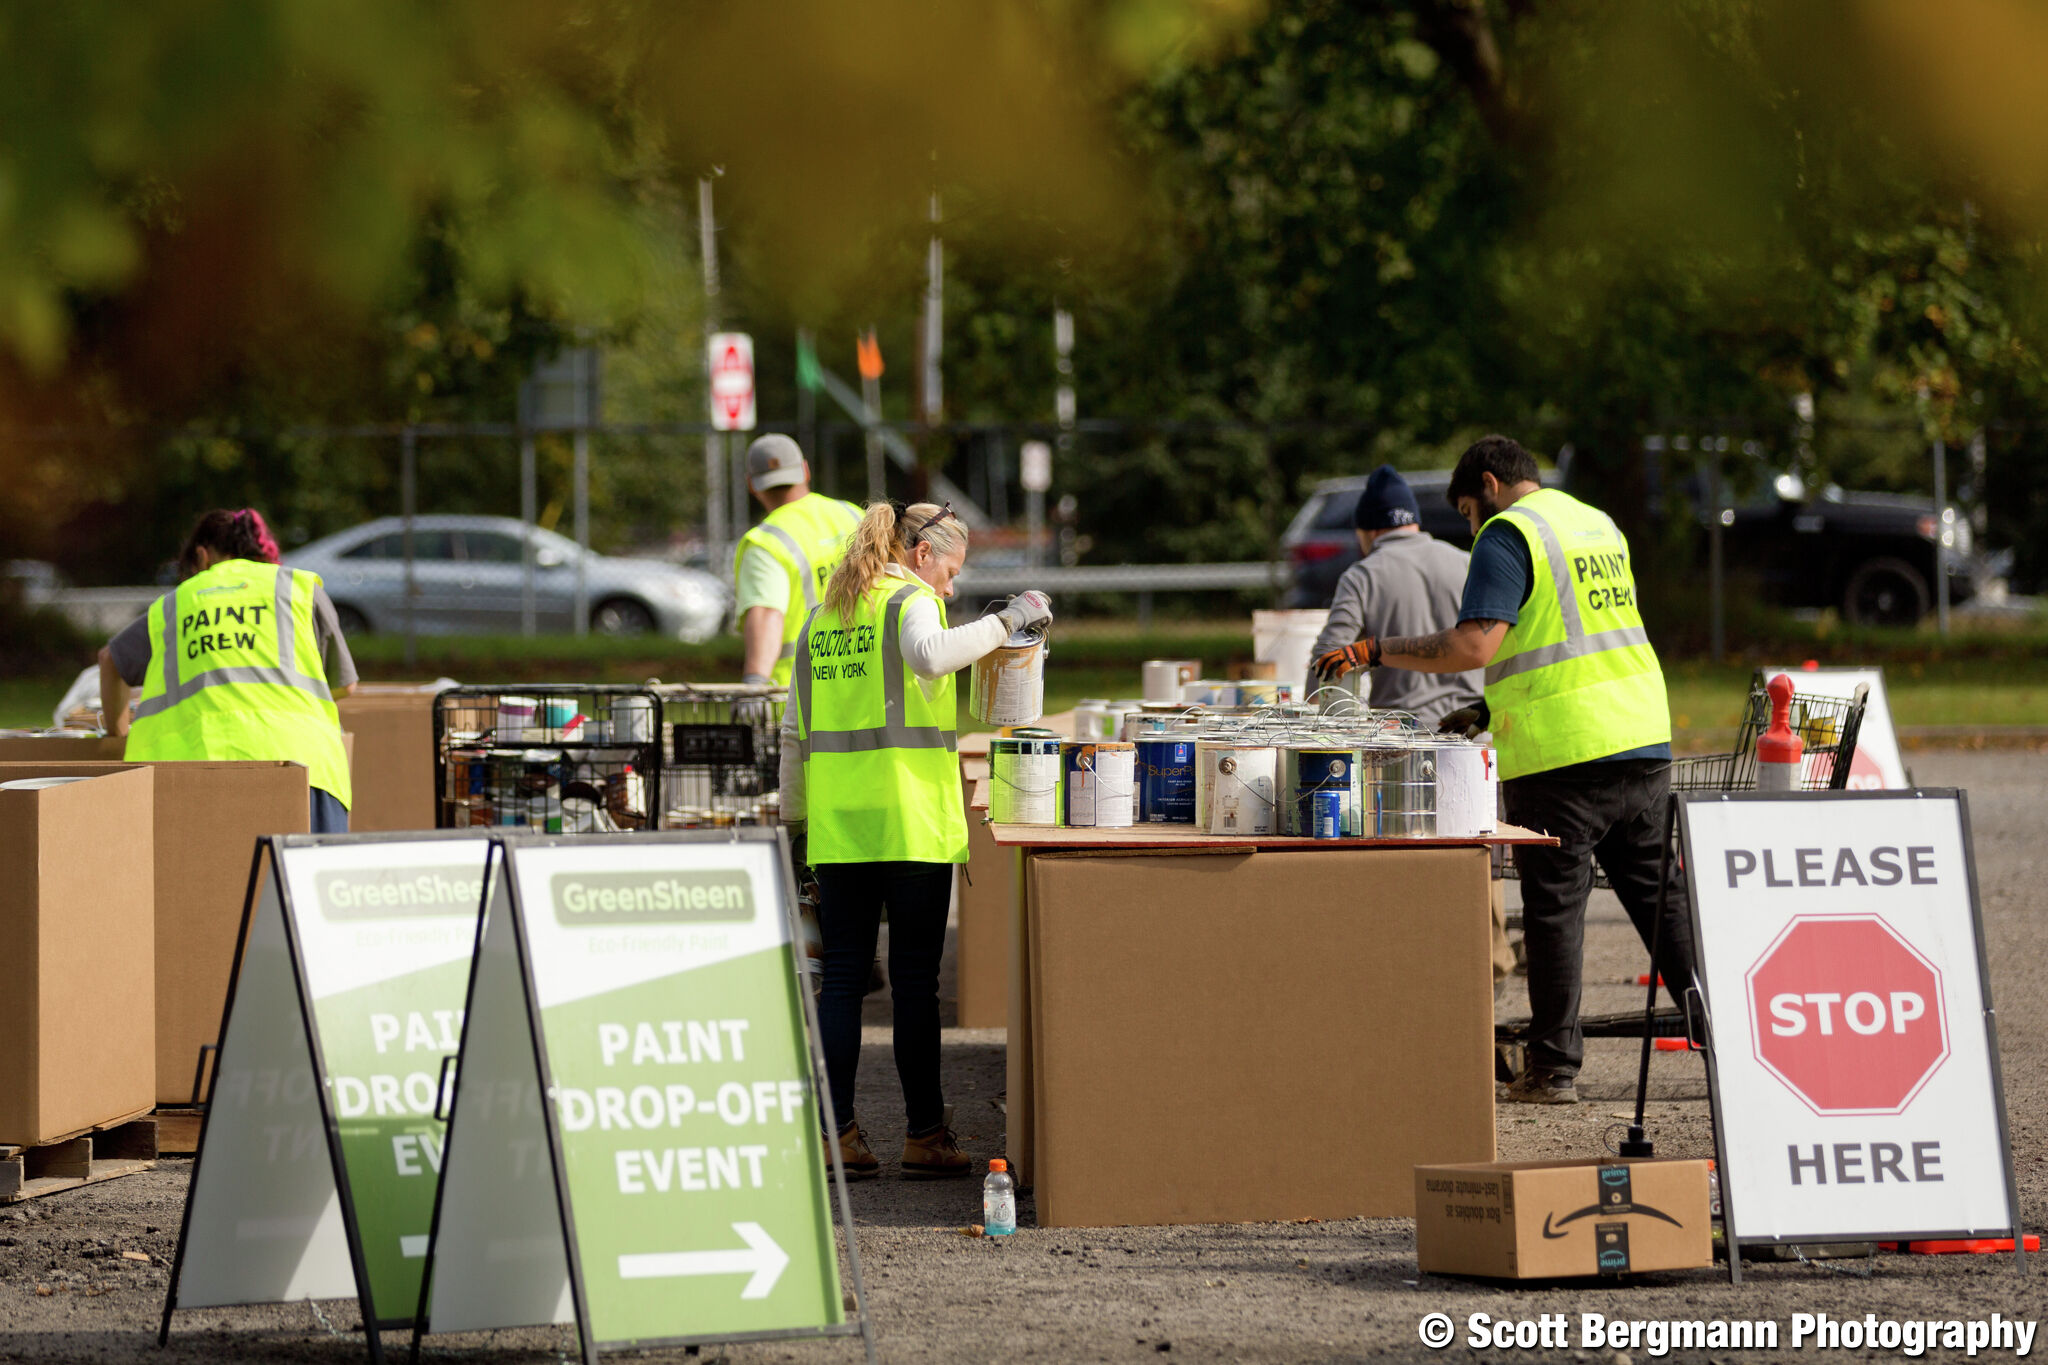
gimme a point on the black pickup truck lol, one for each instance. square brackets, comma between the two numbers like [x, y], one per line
[1872, 556]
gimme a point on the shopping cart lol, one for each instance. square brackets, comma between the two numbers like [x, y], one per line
[724, 746]
[564, 759]
[1828, 727]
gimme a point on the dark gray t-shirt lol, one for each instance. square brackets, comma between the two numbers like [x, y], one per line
[132, 647]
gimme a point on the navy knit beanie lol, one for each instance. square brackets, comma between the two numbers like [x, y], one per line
[1386, 502]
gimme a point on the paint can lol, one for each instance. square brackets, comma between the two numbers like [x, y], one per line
[515, 718]
[1308, 774]
[1467, 790]
[1091, 714]
[1024, 780]
[1098, 784]
[1234, 786]
[1006, 686]
[1208, 692]
[1326, 808]
[1264, 693]
[1161, 679]
[1401, 789]
[1166, 779]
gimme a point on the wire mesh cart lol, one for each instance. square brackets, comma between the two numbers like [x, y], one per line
[565, 759]
[723, 754]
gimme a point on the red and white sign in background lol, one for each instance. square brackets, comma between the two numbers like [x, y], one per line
[730, 359]
[1856, 1086]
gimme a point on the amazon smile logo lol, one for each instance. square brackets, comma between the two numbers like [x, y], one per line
[1592, 1210]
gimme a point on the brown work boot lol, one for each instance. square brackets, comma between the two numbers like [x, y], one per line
[854, 1153]
[935, 1156]
[1536, 1086]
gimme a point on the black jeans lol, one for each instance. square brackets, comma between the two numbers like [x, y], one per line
[1614, 812]
[851, 898]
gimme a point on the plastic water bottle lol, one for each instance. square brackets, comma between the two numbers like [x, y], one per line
[998, 1200]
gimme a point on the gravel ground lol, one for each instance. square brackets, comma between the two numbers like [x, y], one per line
[1251, 1292]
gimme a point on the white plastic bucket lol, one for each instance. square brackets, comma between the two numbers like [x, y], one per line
[1284, 639]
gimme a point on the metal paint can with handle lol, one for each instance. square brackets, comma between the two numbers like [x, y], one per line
[1024, 780]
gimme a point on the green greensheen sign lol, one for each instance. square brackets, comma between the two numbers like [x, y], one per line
[321, 1154]
[674, 1187]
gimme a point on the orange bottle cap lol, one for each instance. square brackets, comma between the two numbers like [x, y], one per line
[998, 1164]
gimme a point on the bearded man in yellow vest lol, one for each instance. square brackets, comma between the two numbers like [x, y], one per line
[232, 665]
[782, 565]
[1575, 700]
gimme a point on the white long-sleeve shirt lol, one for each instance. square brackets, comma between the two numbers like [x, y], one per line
[932, 654]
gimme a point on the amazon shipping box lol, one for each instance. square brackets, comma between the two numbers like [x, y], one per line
[1537, 1220]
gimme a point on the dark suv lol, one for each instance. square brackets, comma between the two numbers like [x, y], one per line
[1871, 555]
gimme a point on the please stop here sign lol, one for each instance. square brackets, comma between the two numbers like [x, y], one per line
[1854, 1053]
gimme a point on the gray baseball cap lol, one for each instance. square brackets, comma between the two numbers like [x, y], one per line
[774, 461]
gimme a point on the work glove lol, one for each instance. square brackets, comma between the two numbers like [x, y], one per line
[1469, 721]
[759, 712]
[1025, 609]
[799, 853]
[1345, 659]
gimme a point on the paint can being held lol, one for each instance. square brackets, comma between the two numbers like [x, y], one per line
[1007, 685]
[1024, 780]
[1098, 784]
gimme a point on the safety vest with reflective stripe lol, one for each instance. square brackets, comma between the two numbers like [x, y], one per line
[808, 539]
[881, 778]
[235, 673]
[1576, 678]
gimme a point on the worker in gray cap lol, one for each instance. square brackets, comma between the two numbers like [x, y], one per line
[781, 565]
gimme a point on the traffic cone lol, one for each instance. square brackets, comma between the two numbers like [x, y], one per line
[1778, 750]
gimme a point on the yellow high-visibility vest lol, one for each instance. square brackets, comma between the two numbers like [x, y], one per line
[1576, 678]
[881, 776]
[235, 673]
[808, 539]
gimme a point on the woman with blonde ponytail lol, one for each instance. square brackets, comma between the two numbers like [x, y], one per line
[871, 793]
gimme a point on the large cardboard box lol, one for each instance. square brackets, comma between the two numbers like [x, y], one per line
[77, 1015]
[201, 839]
[1256, 1036]
[982, 933]
[1531, 1220]
[392, 767]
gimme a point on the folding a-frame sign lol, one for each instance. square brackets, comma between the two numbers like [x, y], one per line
[634, 1143]
[1853, 1050]
[321, 1150]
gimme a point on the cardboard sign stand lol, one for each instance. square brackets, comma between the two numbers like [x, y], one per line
[1787, 816]
[503, 1253]
[272, 1215]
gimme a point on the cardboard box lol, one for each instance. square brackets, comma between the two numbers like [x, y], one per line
[392, 765]
[207, 818]
[66, 748]
[1257, 1036]
[78, 1014]
[1529, 1220]
[982, 933]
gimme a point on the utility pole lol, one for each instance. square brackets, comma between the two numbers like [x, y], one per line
[934, 321]
[714, 441]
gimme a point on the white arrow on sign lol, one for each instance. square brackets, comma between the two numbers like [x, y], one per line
[762, 1259]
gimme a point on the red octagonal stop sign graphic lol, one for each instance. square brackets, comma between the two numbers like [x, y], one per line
[1847, 1014]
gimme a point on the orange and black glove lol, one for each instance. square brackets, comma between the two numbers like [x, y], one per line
[1335, 664]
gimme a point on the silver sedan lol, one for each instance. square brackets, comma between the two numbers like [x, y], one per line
[469, 575]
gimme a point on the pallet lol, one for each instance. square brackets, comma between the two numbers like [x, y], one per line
[177, 1129]
[87, 1158]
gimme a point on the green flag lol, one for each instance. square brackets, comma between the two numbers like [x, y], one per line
[807, 376]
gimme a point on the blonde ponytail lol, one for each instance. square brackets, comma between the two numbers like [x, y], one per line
[877, 543]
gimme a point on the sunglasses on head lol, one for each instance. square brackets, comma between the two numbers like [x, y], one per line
[910, 541]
